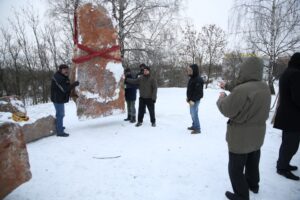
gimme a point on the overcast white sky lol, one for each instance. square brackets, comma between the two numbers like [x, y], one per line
[201, 12]
[6, 7]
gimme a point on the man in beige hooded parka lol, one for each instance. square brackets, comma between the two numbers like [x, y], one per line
[247, 107]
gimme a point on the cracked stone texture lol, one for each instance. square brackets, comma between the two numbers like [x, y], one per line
[14, 165]
[99, 93]
[12, 104]
[41, 128]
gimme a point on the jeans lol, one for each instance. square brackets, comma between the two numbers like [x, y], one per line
[131, 108]
[60, 113]
[244, 172]
[288, 148]
[194, 115]
[142, 107]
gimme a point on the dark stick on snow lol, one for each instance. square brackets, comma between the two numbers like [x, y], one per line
[113, 157]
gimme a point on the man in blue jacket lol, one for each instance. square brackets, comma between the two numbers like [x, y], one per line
[60, 94]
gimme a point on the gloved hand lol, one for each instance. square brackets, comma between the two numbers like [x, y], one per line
[191, 103]
[76, 83]
[222, 95]
[153, 101]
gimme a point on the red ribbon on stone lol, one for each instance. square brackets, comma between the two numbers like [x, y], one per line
[103, 53]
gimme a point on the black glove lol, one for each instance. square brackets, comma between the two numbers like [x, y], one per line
[153, 101]
[76, 83]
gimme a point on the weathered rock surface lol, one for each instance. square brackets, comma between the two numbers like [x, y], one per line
[41, 128]
[11, 104]
[33, 129]
[14, 164]
[99, 93]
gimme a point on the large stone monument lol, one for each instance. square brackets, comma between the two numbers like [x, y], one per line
[97, 64]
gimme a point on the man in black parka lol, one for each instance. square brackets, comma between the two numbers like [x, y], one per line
[288, 117]
[194, 93]
[60, 94]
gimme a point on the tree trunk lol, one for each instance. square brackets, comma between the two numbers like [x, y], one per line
[208, 75]
[271, 86]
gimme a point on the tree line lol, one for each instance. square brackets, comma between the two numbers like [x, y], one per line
[149, 32]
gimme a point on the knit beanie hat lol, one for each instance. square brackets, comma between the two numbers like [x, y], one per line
[63, 66]
[147, 67]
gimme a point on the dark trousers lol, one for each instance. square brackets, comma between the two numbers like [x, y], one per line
[240, 181]
[131, 108]
[289, 147]
[142, 107]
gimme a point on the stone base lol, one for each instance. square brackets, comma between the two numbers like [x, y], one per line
[43, 127]
[14, 165]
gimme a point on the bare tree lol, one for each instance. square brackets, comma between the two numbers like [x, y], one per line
[191, 50]
[213, 42]
[271, 27]
[141, 21]
[13, 50]
[231, 63]
[3, 63]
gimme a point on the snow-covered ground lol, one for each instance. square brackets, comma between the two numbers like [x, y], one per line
[161, 163]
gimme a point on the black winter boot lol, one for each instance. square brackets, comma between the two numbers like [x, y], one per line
[133, 119]
[138, 124]
[288, 174]
[292, 168]
[128, 118]
[233, 196]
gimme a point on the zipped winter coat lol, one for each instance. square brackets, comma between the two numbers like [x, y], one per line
[130, 90]
[288, 112]
[195, 86]
[60, 88]
[247, 107]
[147, 86]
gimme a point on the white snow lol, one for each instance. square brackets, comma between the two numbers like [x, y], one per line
[18, 104]
[95, 96]
[33, 112]
[3, 102]
[117, 70]
[161, 163]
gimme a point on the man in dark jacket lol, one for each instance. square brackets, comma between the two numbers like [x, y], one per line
[194, 93]
[288, 117]
[60, 94]
[247, 107]
[148, 92]
[130, 97]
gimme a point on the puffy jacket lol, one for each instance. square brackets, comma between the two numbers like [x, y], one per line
[195, 85]
[247, 107]
[147, 86]
[288, 112]
[60, 88]
[130, 90]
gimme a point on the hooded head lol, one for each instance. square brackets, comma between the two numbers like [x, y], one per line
[295, 61]
[127, 71]
[195, 70]
[251, 70]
